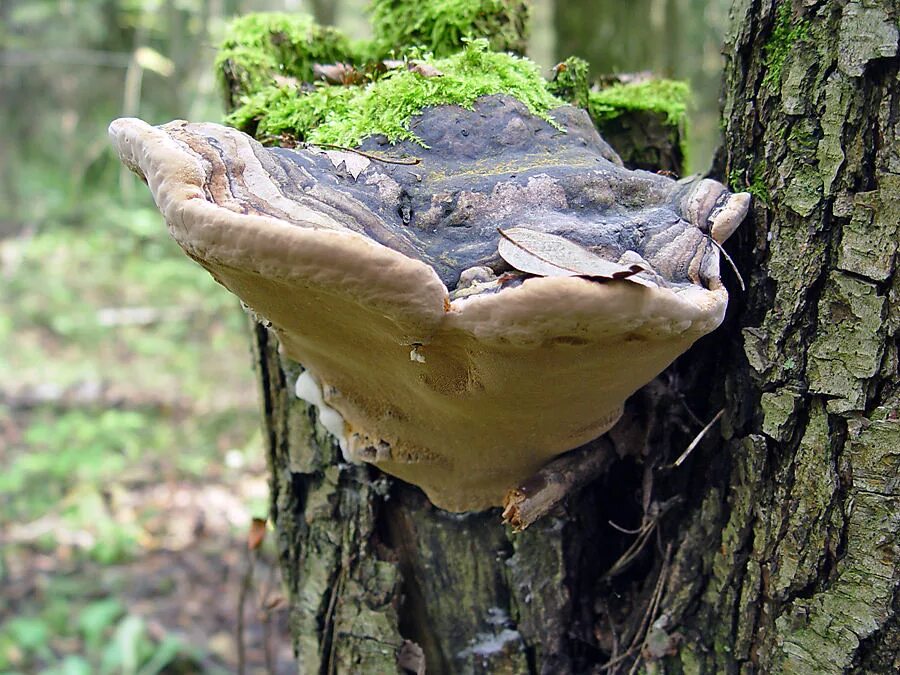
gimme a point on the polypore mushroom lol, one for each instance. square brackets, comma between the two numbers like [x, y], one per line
[453, 365]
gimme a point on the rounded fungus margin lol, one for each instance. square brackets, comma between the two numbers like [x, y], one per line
[463, 394]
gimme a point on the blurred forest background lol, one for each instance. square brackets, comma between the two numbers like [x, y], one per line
[130, 456]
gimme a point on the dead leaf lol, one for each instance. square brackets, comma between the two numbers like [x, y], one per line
[337, 73]
[424, 69]
[353, 162]
[257, 534]
[549, 255]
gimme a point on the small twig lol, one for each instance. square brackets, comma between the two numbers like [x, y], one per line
[255, 538]
[652, 517]
[612, 663]
[538, 495]
[614, 634]
[329, 615]
[699, 437]
[640, 638]
[633, 551]
[730, 262]
[265, 608]
[246, 584]
[625, 530]
[369, 155]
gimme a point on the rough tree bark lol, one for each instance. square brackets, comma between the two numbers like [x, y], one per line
[774, 547]
[802, 535]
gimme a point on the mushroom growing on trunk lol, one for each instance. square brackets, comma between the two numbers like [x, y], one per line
[467, 305]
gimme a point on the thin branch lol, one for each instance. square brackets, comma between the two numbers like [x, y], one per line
[538, 495]
[640, 638]
[632, 551]
[368, 155]
[329, 616]
[625, 530]
[730, 262]
[265, 618]
[246, 585]
[699, 437]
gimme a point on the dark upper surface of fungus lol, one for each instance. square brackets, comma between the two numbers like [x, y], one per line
[497, 167]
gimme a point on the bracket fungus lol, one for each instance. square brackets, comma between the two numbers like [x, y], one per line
[468, 306]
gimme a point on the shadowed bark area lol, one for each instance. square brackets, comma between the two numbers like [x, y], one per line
[771, 550]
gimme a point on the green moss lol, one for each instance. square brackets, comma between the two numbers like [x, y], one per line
[572, 82]
[347, 115]
[784, 35]
[669, 97]
[662, 97]
[442, 26]
[756, 186]
[259, 47]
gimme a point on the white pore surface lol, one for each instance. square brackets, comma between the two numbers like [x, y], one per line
[309, 390]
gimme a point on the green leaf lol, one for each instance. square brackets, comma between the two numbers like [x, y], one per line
[95, 618]
[29, 633]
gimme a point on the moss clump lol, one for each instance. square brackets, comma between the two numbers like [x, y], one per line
[285, 113]
[669, 97]
[571, 82]
[784, 35]
[756, 186]
[260, 47]
[442, 26]
[347, 115]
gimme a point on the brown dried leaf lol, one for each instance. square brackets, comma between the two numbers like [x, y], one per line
[424, 69]
[337, 73]
[353, 162]
[257, 534]
[330, 72]
[549, 255]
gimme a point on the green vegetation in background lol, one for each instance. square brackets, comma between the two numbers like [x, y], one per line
[71, 467]
[112, 640]
[784, 35]
[571, 81]
[284, 112]
[441, 27]
[667, 97]
[65, 280]
[347, 115]
[259, 48]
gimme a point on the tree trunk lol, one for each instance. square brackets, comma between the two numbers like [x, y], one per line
[801, 536]
[774, 546]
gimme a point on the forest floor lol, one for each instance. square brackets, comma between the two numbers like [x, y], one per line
[131, 464]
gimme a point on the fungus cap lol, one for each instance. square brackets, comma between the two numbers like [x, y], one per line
[462, 390]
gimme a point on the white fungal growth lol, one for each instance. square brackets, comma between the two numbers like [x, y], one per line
[307, 389]
[486, 644]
